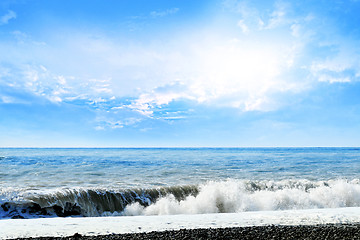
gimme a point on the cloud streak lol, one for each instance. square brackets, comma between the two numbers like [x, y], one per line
[7, 17]
[164, 13]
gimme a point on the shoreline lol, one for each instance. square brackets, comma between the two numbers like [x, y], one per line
[313, 232]
[100, 226]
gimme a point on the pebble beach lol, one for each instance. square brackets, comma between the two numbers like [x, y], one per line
[328, 231]
[337, 223]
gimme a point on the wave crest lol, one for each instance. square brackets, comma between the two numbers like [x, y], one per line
[239, 196]
[87, 202]
[211, 197]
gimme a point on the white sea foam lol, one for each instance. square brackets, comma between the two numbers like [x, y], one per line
[230, 196]
[234, 196]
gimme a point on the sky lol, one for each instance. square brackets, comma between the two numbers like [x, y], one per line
[180, 73]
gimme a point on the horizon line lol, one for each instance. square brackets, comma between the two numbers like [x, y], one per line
[168, 147]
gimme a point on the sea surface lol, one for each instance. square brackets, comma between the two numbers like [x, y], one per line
[88, 182]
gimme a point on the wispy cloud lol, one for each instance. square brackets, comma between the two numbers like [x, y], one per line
[7, 17]
[243, 26]
[278, 16]
[141, 22]
[163, 13]
[149, 102]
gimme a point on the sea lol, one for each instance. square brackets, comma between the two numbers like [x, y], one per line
[98, 182]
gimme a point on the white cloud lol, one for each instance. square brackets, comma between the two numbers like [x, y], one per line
[246, 72]
[39, 81]
[234, 74]
[240, 74]
[212, 69]
[295, 30]
[342, 67]
[244, 28]
[331, 79]
[116, 119]
[23, 38]
[7, 99]
[7, 17]
[146, 103]
[203, 68]
[164, 12]
[269, 16]
[101, 86]
[278, 16]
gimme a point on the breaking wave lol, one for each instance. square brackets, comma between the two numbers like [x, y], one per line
[211, 197]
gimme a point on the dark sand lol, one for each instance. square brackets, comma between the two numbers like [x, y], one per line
[328, 231]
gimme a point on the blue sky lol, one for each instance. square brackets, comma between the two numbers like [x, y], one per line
[179, 73]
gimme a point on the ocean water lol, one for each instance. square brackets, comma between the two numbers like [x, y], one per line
[154, 181]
